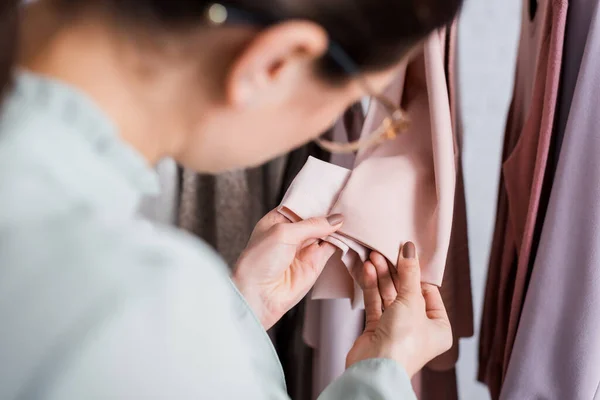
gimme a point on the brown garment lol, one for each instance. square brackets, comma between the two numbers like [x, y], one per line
[526, 149]
[436, 385]
[224, 209]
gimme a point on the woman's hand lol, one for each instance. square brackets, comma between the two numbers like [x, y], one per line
[282, 263]
[406, 320]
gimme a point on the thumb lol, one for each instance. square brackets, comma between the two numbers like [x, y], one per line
[312, 228]
[409, 272]
[317, 255]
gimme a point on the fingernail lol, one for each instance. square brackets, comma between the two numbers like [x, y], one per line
[409, 250]
[335, 219]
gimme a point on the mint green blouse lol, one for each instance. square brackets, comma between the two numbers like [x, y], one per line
[96, 303]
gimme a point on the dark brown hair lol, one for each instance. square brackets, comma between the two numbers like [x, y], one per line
[374, 33]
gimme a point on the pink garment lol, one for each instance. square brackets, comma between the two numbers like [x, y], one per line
[402, 190]
[456, 288]
[526, 149]
[332, 326]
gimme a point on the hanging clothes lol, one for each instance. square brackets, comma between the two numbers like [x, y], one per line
[404, 187]
[332, 326]
[526, 151]
[438, 381]
[557, 351]
[223, 209]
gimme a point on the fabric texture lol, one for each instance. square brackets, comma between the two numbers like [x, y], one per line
[109, 306]
[557, 352]
[224, 209]
[526, 151]
[399, 191]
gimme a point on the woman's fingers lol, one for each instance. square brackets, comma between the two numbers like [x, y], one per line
[434, 305]
[409, 272]
[273, 218]
[438, 317]
[317, 255]
[387, 288]
[373, 304]
[309, 229]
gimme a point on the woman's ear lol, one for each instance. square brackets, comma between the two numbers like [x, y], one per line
[259, 72]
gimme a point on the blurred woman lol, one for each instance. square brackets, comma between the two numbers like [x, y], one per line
[95, 304]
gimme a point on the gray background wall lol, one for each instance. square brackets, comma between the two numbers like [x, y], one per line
[488, 38]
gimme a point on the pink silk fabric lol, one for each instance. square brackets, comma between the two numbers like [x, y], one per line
[332, 326]
[402, 190]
